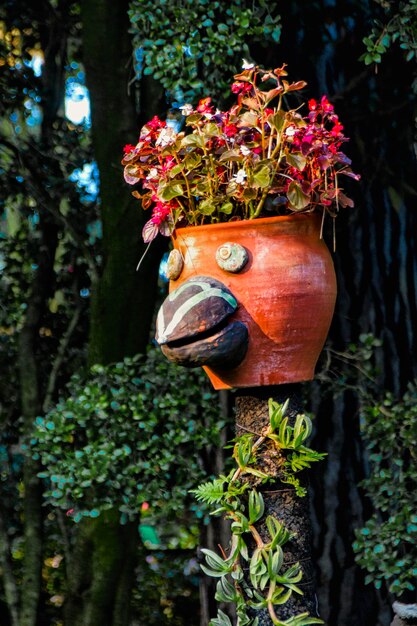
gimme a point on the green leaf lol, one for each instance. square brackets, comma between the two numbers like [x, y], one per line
[214, 573]
[277, 120]
[255, 472]
[207, 207]
[262, 177]
[231, 155]
[225, 591]
[297, 198]
[171, 191]
[211, 130]
[221, 620]
[281, 596]
[226, 207]
[275, 561]
[210, 492]
[192, 160]
[193, 140]
[296, 159]
[176, 170]
[248, 120]
[278, 533]
[256, 506]
[193, 119]
[276, 413]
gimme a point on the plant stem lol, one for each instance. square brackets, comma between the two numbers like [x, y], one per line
[187, 184]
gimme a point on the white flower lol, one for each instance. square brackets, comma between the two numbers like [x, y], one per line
[186, 109]
[153, 173]
[240, 177]
[247, 65]
[290, 131]
[166, 137]
[245, 150]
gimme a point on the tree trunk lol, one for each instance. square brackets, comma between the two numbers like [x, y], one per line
[31, 407]
[217, 531]
[123, 300]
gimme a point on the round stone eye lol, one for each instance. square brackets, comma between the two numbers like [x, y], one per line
[174, 264]
[231, 257]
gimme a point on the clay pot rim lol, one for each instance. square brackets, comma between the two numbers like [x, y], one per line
[246, 224]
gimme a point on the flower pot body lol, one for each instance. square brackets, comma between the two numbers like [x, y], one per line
[286, 293]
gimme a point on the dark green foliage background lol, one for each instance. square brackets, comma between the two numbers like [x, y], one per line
[125, 434]
[48, 330]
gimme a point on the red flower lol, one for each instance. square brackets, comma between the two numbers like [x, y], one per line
[128, 148]
[327, 107]
[155, 123]
[240, 87]
[312, 105]
[337, 129]
[168, 164]
[230, 130]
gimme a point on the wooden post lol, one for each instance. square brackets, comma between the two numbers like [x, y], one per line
[281, 501]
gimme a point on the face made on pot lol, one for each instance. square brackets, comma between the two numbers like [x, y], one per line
[246, 310]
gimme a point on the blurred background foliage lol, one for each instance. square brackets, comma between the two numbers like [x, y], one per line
[96, 525]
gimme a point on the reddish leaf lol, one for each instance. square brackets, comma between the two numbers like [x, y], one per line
[294, 86]
[149, 231]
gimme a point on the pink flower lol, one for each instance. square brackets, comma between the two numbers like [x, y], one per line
[160, 222]
[204, 106]
[160, 213]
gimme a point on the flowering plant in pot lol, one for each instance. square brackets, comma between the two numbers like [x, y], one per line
[244, 193]
[258, 158]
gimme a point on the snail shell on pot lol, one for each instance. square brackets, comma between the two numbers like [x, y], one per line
[175, 264]
[231, 257]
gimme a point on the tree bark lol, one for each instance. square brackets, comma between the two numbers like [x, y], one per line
[31, 407]
[217, 531]
[9, 582]
[123, 299]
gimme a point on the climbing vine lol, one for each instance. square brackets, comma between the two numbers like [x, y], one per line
[259, 578]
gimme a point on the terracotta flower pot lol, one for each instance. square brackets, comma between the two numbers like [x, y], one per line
[285, 295]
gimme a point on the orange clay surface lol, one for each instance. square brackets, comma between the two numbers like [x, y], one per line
[286, 293]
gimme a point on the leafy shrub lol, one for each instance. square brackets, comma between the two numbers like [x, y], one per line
[127, 434]
[387, 545]
[204, 41]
